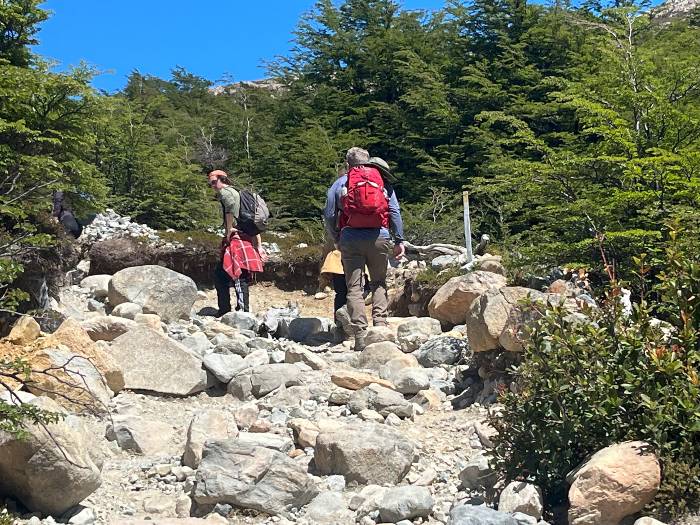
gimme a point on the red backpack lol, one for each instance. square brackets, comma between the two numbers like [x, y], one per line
[365, 203]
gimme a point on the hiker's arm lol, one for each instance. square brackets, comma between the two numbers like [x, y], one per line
[330, 213]
[257, 244]
[396, 225]
[228, 224]
[395, 221]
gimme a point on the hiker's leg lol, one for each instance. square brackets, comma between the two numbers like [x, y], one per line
[341, 291]
[353, 256]
[222, 283]
[377, 260]
[245, 289]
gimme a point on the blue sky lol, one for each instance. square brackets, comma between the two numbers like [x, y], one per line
[210, 38]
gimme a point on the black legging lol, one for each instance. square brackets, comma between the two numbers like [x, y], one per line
[341, 291]
[223, 282]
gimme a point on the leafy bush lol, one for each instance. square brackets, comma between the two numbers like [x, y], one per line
[586, 384]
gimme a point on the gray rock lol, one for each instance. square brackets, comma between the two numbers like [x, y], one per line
[256, 478]
[329, 508]
[477, 473]
[302, 329]
[382, 399]
[391, 367]
[152, 361]
[241, 320]
[413, 333]
[407, 502]
[442, 262]
[411, 380]
[238, 345]
[107, 327]
[140, 435]
[518, 496]
[379, 334]
[267, 440]
[127, 310]
[98, 285]
[262, 343]
[156, 288]
[207, 424]
[266, 378]
[442, 351]
[276, 320]
[378, 354]
[256, 358]
[479, 515]
[198, 343]
[301, 355]
[49, 474]
[224, 366]
[81, 516]
[364, 453]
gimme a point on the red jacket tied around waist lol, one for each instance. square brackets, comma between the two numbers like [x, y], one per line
[239, 254]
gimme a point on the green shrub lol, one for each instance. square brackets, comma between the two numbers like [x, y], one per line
[435, 278]
[587, 384]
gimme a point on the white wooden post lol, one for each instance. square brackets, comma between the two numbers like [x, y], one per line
[467, 227]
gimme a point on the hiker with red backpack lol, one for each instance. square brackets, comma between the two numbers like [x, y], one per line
[362, 214]
[245, 217]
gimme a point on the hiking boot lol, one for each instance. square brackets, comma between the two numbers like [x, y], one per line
[360, 340]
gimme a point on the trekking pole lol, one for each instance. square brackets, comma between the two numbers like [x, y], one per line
[467, 227]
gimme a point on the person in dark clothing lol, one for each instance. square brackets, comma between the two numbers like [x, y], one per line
[63, 213]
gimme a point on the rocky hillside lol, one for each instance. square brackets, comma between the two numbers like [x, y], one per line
[171, 416]
[675, 9]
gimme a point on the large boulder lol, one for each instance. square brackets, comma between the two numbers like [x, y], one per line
[71, 379]
[152, 361]
[496, 318]
[615, 482]
[50, 469]
[251, 477]
[451, 302]
[72, 334]
[207, 424]
[157, 289]
[364, 453]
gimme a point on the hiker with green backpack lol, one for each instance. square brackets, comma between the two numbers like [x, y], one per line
[245, 217]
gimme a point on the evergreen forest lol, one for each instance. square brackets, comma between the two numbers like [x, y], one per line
[566, 123]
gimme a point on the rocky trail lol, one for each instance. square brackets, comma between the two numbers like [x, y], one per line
[173, 416]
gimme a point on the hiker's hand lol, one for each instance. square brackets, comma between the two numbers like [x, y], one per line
[263, 254]
[399, 250]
